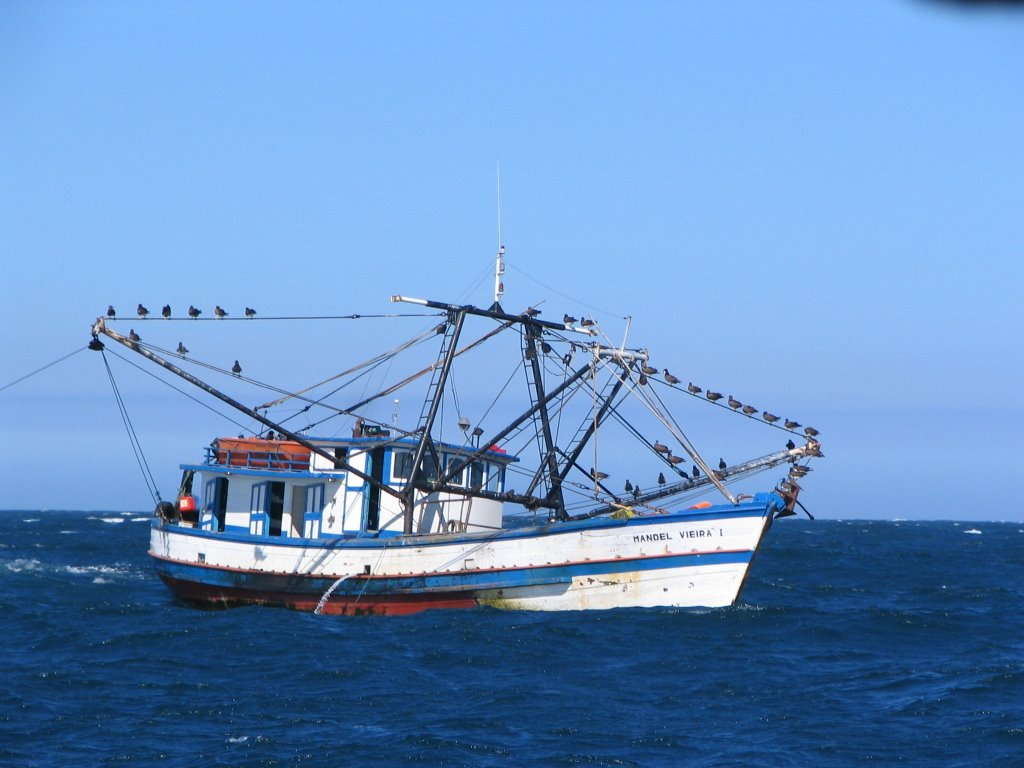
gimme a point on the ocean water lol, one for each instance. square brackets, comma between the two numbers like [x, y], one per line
[855, 643]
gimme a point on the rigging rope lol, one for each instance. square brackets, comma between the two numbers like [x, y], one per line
[40, 370]
[140, 457]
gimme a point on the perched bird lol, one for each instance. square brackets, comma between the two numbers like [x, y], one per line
[810, 431]
[133, 335]
[722, 464]
[236, 369]
[713, 396]
[648, 370]
[696, 471]
[142, 311]
[670, 378]
[111, 312]
[193, 312]
[749, 410]
[660, 448]
[219, 312]
[791, 424]
[771, 418]
[166, 311]
[182, 350]
[628, 487]
[734, 403]
[568, 319]
[598, 475]
[661, 478]
[693, 389]
[790, 444]
[250, 312]
[675, 459]
[636, 492]
[533, 311]
[586, 322]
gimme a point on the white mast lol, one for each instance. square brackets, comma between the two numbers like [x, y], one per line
[499, 259]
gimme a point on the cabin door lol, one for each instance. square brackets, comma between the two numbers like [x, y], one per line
[215, 504]
[373, 491]
[275, 507]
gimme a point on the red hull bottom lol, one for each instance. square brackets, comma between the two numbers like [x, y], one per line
[207, 596]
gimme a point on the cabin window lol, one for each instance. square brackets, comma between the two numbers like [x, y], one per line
[476, 475]
[257, 505]
[314, 510]
[401, 465]
[340, 457]
[495, 477]
[429, 468]
[459, 477]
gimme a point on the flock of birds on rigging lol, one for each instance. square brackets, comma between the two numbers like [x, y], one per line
[166, 313]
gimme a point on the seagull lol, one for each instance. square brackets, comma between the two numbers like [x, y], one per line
[236, 369]
[133, 335]
[166, 311]
[182, 349]
[250, 312]
[219, 312]
[661, 478]
[810, 431]
[722, 464]
[568, 319]
[193, 312]
[734, 403]
[790, 444]
[598, 475]
[142, 311]
[670, 378]
[749, 410]
[660, 448]
[771, 418]
[693, 389]
[111, 312]
[713, 396]
[792, 424]
[629, 487]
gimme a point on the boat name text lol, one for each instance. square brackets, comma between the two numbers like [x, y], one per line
[695, 533]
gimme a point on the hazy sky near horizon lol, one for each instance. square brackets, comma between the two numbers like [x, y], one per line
[816, 206]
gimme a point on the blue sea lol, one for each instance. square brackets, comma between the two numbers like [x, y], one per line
[854, 643]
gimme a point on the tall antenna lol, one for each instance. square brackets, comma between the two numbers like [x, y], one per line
[499, 259]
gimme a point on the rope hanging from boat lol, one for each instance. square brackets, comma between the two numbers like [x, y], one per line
[140, 457]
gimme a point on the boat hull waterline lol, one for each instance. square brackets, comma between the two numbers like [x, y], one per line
[687, 559]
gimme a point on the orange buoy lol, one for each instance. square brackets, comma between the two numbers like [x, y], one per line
[187, 504]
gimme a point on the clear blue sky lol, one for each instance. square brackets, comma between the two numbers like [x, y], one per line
[816, 206]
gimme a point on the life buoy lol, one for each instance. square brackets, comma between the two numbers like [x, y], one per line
[187, 504]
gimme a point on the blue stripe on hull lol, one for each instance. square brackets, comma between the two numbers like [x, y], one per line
[288, 589]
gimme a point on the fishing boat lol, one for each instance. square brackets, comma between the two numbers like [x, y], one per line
[380, 518]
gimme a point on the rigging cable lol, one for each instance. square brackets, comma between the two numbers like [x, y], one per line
[140, 457]
[40, 370]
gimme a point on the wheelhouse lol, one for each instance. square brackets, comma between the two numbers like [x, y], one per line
[281, 489]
